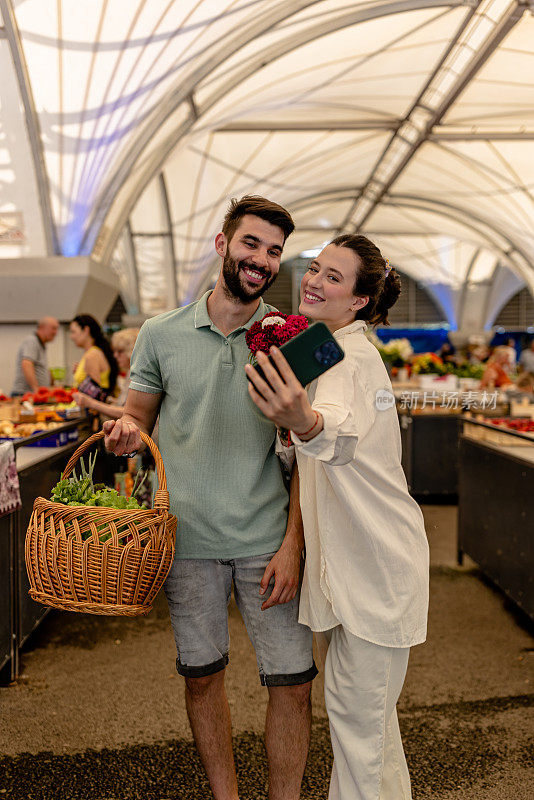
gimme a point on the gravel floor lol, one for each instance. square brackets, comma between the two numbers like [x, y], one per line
[98, 712]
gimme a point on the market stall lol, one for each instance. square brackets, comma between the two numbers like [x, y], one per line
[38, 469]
[429, 423]
[496, 503]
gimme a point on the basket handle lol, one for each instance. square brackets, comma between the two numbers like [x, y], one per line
[161, 498]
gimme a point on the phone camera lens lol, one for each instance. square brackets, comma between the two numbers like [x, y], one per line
[327, 354]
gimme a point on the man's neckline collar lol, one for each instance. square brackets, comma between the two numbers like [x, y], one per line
[203, 319]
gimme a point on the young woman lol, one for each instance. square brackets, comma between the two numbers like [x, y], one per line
[122, 345]
[365, 586]
[97, 362]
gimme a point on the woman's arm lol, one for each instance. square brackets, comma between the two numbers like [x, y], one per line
[343, 411]
[283, 399]
[28, 370]
[84, 401]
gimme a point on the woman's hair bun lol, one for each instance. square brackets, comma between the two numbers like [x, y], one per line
[374, 278]
[388, 298]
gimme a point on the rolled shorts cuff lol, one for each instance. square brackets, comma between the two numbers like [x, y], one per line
[202, 671]
[291, 678]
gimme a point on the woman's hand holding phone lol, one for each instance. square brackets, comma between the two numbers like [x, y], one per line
[280, 396]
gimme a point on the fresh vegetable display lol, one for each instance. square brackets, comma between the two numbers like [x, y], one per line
[44, 395]
[522, 425]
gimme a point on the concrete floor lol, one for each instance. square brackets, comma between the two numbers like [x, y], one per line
[98, 711]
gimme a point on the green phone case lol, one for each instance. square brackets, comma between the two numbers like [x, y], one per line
[311, 353]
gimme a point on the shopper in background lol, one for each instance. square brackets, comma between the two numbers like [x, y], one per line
[447, 351]
[526, 359]
[365, 585]
[97, 363]
[32, 368]
[512, 354]
[122, 345]
[496, 372]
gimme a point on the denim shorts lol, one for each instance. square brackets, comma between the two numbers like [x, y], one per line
[198, 592]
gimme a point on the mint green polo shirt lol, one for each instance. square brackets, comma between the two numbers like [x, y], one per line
[224, 479]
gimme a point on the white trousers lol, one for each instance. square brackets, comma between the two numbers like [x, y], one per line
[363, 682]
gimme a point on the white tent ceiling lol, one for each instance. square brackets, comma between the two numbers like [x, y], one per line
[411, 120]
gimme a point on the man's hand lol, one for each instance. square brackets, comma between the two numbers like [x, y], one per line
[121, 437]
[285, 566]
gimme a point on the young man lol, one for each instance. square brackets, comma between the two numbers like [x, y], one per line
[227, 491]
[32, 363]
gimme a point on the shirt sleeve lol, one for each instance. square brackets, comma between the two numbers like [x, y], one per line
[145, 374]
[29, 349]
[344, 401]
[285, 452]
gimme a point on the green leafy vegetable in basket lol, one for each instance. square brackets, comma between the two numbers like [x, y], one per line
[74, 491]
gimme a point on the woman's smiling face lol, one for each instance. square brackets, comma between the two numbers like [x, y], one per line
[327, 288]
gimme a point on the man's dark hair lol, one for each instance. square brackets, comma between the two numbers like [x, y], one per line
[259, 207]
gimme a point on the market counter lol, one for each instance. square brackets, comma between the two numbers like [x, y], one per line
[430, 427]
[496, 508]
[39, 469]
[430, 453]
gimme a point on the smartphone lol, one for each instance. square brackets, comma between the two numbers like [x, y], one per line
[310, 353]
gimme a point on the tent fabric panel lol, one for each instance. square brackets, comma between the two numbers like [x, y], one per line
[151, 258]
[18, 186]
[370, 59]
[148, 216]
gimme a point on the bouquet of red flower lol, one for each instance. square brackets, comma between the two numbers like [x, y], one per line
[274, 329]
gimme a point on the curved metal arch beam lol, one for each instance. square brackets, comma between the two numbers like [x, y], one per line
[183, 93]
[464, 215]
[483, 227]
[524, 265]
[171, 253]
[377, 187]
[135, 266]
[463, 297]
[32, 125]
[169, 104]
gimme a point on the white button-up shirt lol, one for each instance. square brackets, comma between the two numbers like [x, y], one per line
[366, 546]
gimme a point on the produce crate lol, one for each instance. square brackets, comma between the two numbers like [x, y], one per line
[56, 439]
[10, 411]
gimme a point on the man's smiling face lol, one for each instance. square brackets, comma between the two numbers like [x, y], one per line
[251, 260]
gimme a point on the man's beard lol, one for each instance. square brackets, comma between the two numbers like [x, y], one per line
[235, 288]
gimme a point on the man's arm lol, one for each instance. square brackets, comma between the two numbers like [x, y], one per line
[286, 564]
[28, 370]
[295, 528]
[140, 413]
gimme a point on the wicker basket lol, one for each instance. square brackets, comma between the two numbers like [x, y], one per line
[69, 567]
